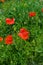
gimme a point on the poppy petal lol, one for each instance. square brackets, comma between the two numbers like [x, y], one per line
[9, 39]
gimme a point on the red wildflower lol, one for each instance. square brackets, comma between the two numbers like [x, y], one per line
[2, 0]
[32, 14]
[9, 39]
[1, 39]
[42, 9]
[23, 34]
[10, 21]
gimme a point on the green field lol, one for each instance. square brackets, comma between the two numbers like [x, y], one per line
[22, 52]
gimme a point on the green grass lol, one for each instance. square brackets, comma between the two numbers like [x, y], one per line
[22, 52]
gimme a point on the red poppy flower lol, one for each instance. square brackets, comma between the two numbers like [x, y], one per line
[9, 39]
[2, 0]
[42, 9]
[10, 21]
[24, 34]
[1, 39]
[32, 14]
